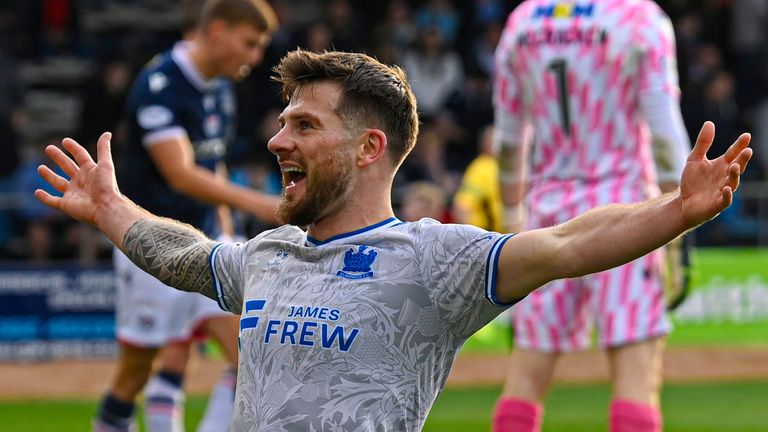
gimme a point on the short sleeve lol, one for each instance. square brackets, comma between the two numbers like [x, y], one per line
[459, 265]
[228, 282]
[659, 96]
[158, 114]
[507, 95]
[659, 68]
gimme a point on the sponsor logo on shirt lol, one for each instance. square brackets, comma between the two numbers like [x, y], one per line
[277, 261]
[357, 265]
[564, 10]
[209, 149]
[154, 116]
[212, 125]
[317, 327]
[157, 82]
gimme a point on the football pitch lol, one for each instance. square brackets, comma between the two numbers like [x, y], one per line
[721, 407]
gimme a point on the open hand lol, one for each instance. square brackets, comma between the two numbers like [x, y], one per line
[90, 184]
[707, 186]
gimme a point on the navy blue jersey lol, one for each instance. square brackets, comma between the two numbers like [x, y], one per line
[171, 99]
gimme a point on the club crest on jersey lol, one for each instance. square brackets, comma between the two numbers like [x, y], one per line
[212, 125]
[357, 265]
[278, 259]
[564, 10]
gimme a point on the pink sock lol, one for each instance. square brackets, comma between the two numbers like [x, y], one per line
[517, 415]
[628, 416]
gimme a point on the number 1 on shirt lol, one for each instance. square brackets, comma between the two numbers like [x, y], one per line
[560, 68]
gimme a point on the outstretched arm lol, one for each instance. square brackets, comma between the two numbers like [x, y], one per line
[616, 234]
[175, 253]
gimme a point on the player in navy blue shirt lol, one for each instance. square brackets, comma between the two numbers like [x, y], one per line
[171, 101]
[180, 115]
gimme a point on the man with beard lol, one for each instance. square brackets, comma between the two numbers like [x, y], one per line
[354, 323]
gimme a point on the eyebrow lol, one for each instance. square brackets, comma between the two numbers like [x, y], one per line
[298, 115]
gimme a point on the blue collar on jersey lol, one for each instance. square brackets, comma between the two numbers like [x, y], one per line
[387, 223]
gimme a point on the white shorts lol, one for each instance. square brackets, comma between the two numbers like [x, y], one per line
[625, 303]
[151, 314]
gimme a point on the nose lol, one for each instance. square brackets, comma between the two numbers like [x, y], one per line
[280, 143]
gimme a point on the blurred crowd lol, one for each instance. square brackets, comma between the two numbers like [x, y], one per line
[66, 65]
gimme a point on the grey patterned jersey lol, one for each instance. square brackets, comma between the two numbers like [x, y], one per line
[356, 333]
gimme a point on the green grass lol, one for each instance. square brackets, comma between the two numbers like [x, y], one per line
[719, 334]
[574, 408]
[721, 407]
[738, 263]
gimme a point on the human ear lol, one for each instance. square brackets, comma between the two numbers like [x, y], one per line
[371, 148]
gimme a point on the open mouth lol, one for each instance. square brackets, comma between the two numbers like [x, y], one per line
[292, 176]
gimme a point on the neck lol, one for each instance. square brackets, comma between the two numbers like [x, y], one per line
[370, 209]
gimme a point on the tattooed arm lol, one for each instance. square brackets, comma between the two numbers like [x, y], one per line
[174, 253]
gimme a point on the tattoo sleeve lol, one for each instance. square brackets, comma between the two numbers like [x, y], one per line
[174, 253]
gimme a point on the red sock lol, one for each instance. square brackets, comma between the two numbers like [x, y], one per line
[629, 416]
[517, 415]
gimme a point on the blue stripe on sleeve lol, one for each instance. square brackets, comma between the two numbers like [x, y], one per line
[216, 284]
[492, 268]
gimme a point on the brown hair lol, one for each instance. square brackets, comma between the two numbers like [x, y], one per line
[255, 12]
[373, 94]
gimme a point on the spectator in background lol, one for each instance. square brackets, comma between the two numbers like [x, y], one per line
[395, 34]
[426, 163]
[488, 12]
[720, 105]
[423, 199]
[47, 235]
[318, 37]
[484, 47]
[688, 33]
[440, 15]
[761, 137]
[736, 226]
[748, 35]
[708, 59]
[604, 110]
[345, 26]
[12, 121]
[434, 71]
[60, 27]
[478, 200]
[467, 111]
[103, 102]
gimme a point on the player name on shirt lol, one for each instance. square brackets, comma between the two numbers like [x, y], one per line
[590, 36]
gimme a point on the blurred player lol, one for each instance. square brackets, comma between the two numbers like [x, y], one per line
[180, 117]
[586, 98]
[478, 200]
[350, 318]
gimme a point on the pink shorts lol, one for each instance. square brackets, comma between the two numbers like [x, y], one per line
[625, 304]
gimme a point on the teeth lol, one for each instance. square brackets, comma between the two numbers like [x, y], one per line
[292, 183]
[293, 169]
